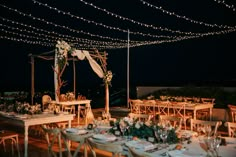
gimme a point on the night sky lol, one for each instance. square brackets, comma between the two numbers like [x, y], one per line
[202, 61]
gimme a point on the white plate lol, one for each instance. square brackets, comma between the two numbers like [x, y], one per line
[188, 133]
[104, 137]
[76, 131]
[21, 116]
[184, 153]
[140, 144]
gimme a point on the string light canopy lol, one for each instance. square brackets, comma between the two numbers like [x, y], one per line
[100, 34]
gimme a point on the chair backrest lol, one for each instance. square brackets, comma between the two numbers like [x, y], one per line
[231, 128]
[62, 97]
[81, 139]
[134, 153]
[46, 99]
[208, 100]
[52, 134]
[175, 121]
[232, 109]
[194, 124]
[140, 117]
[135, 105]
[115, 149]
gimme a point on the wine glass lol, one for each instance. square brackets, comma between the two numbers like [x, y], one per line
[18, 108]
[208, 130]
[122, 129]
[216, 144]
[157, 134]
[163, 135]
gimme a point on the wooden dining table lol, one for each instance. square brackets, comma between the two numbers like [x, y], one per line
[29, 120]
[79, 103]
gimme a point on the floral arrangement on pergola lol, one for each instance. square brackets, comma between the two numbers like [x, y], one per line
[61, 61]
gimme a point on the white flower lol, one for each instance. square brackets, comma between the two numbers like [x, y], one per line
[62, 49]
[137, 125]
[108, 77]
[148, 123]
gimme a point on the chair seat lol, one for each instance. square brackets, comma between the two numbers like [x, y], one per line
[12, 138]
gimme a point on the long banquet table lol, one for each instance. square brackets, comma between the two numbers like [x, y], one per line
[29, 120]
[166, 106]
[86, 103]
[193, 149]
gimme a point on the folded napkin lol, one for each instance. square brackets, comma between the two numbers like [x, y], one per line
[105, 137]
[140, 144]
[184, 153]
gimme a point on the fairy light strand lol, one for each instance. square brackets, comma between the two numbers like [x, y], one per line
[183, 17]
[225, 4]
[66, 37]
[139, 23]
[99, 24]
[60, 26]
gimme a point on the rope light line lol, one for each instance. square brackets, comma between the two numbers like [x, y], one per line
[140, 23]
[56, 38]
[183, 17]
[100, 24]
[60, 26]
[225, 4]
[113, 46]
[133, 45]
[72, 30]
[28, 41]
[54, 33]
[137, 44]
[148, 42]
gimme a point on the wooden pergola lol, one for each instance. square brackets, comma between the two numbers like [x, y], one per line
[100, 57]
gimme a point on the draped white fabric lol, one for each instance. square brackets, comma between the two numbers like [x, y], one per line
[81, 54]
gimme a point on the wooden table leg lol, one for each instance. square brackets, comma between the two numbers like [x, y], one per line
[26, 141]
[210, 113]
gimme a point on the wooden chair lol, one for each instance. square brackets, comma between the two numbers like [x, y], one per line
[175, 121]
[163, 107]
[69, 109]
[115, 149]
[46, 99]
[232, 109]
[231, 128]
[10, 137]
[81, 139]
[204, 114]
[179, 110]
[150, 107]
[134, 153]
[194, 124]
[53, 135]
[140, 117]
[135, 105]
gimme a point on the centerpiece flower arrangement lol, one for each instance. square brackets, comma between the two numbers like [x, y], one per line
[26, 108]
[135, 128]
[70, 96]
[108, 77]
[62, 50]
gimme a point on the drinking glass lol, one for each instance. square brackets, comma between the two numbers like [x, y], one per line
[122, 129]
[163, 135]
[216, 144]
[208, 130]
[157, 134]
